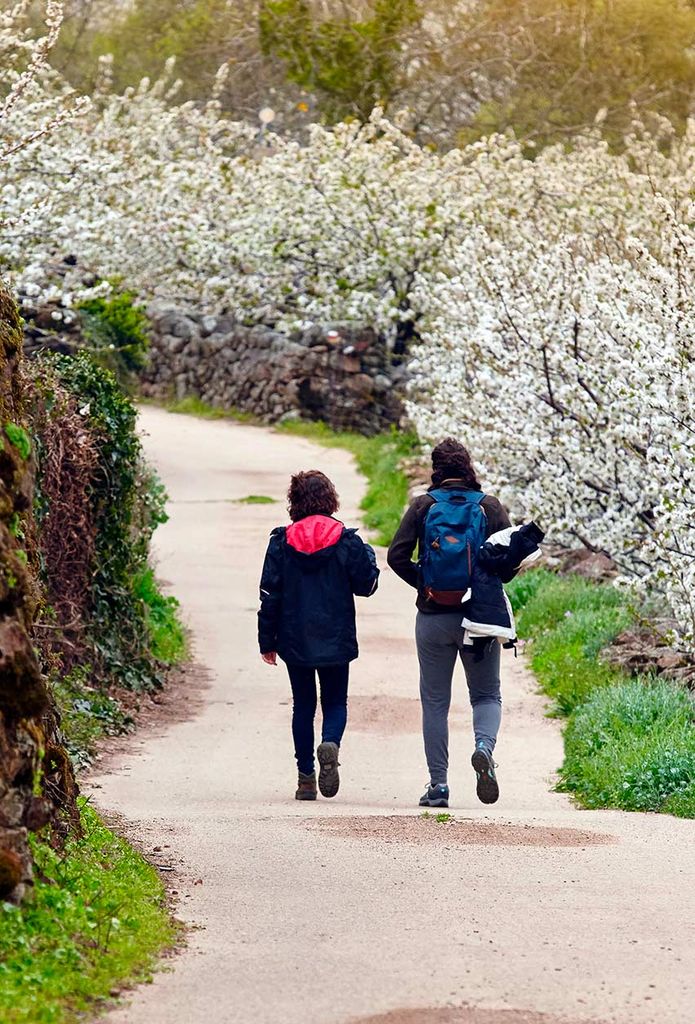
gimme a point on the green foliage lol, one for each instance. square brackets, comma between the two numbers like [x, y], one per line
[378, 459]
[682, 803]
[557, 63]
[194, 406]
[98, 918]
[128, 505]
[570, 620]
[87, 713]
[18, 436]
[257, 499]
[166, 633]
[351, 64]
[116, 329]
[545, 599]
[629, 743]
[523, 590]
[142, 35]
[632, 746]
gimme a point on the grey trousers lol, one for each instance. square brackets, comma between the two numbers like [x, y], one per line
[439, 640]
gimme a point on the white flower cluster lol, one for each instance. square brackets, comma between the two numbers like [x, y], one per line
[553, 298]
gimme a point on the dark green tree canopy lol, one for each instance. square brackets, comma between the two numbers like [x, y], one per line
[464, 68]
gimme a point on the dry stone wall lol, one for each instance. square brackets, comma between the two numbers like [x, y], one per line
[343, 376]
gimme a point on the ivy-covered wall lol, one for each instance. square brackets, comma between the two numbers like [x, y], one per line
[81, 616]
[36, 779]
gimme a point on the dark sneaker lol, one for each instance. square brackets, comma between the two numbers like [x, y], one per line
[487, 788]
[306, 787]
[435, 796]
[329, 777]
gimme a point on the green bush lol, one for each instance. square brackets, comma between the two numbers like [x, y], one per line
[632, 745]
[87, 713]
[545, 599]
[353, 65]
[128, 504]
[98, 918]
[682, 803]
[522, 590]
[117, 331]
[166, 633]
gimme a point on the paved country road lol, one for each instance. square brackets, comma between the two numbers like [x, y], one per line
[531, 912]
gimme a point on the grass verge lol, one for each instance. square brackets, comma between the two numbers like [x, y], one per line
[98, 918]
[192, 406]
[629, 741]
[167, 637]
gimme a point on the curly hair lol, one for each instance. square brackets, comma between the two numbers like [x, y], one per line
[451, 461]
[311, 494]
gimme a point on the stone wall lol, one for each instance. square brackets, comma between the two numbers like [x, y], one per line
[344, 377]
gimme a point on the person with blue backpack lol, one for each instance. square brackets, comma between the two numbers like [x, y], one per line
[448, 526]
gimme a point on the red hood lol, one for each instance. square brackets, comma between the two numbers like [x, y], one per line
[314, 534]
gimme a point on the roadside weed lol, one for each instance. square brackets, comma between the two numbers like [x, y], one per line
[98, 917]
[257, 499]
[629, 742]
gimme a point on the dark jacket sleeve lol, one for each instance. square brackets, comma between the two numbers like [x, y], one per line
[404, 543]
[362, 567]
[497, 516]
[504, 560]
[271, 597]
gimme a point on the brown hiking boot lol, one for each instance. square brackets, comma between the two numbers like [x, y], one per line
[306, 787]
[329, 777]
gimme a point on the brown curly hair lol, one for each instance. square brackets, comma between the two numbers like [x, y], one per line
[311, 494]
[451, 461]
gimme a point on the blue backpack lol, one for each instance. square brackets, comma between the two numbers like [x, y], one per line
[455, 530]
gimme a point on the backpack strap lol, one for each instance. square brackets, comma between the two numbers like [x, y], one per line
[444, 494]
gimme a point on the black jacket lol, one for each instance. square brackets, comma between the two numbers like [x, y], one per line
[312, 572]
[488, 611]
[409, 536]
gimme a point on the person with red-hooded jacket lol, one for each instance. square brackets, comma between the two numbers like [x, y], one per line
[312, 571]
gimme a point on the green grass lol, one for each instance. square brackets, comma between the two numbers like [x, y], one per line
[98, 918]
[682, 803]
[377, 459]
[166, 633]
[632, 746]
[629, 742]
[257, 499]
[569, 620]
[193, 406]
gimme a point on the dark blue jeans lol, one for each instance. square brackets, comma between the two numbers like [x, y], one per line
[334, 688]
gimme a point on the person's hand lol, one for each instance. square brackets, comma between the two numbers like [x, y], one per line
[270, 658]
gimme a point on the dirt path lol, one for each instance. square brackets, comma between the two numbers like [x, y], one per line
[326, 913]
